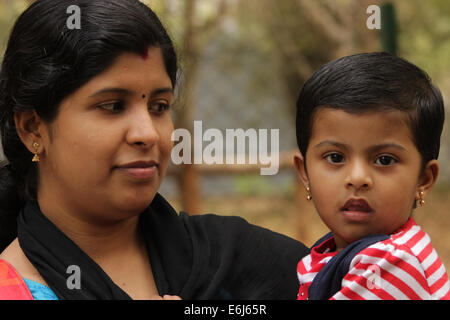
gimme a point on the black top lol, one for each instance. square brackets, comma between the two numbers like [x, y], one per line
[196, 257]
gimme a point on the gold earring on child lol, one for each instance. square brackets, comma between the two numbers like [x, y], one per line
[36, 156]
[421, 201]
[308, 194]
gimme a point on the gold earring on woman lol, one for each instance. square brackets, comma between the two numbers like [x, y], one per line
[308, 194]
[36, 156]
[421, 201]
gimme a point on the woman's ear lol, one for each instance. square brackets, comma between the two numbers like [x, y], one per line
[428, 178]
[27, 125]
[300, 167]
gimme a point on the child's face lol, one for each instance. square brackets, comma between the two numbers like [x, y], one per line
[367, 157]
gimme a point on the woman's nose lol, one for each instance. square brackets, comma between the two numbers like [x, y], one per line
[358, 176]
[142, 130]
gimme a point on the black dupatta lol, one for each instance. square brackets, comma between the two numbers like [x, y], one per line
[195, 257]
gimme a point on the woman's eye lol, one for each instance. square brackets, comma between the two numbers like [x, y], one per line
[113, 106]
[334, 158]
[385, 160]
[159, 107]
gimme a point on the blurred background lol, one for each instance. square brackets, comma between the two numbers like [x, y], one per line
[242, 65]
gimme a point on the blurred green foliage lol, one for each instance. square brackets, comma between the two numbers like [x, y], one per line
[424, 27]
[424, 35]
[277, 44]
[9, 11]
[257, 185]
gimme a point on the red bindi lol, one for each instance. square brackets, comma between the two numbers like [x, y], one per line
[145, 55]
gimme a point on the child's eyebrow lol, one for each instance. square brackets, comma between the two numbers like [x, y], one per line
[370, 149]
[386, 145]
[332, 143]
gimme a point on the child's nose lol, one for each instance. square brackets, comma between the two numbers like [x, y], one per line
[358, 176]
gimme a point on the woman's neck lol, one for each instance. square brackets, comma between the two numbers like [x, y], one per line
[102, 240]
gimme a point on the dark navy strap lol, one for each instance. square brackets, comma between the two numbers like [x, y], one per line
[323, 239]
[329, 280]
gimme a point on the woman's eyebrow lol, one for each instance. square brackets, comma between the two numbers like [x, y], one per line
[111, 90]
[128, 92]
[161, 90]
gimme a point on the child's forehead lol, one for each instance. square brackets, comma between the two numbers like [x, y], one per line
[379, 123]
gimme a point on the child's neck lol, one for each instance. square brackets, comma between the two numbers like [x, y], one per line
[340, 243]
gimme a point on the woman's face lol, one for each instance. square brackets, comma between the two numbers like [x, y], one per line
[119, 117]
[363, 172]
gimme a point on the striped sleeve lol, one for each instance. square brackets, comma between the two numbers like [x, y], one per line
[385, 271]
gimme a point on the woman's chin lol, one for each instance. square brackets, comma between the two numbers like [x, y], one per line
[136, 202]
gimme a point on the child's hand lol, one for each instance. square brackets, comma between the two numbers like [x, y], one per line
[166, 297]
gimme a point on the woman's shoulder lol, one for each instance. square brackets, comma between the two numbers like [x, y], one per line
[12, 286]
[215, 220]
[14, 257]
[238, 230]
[259, 263]
[219, 231]
[216, 224]
[11, 254]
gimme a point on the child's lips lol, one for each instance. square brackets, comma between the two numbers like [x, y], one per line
[357, 210]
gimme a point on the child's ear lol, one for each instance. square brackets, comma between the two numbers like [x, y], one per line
[429, 177]
[300, 167]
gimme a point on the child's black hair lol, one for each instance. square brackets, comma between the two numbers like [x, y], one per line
[374, 82]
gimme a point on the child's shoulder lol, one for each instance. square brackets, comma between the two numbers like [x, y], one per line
[409, 243]
[408, 255]
[409, 239]
[406, 263]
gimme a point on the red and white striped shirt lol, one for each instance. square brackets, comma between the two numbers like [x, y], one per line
[403, 267]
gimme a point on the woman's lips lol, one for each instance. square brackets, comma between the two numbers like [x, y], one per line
[140, 173]
[141, 170]
[357, 210]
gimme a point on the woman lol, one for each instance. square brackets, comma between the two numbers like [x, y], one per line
[86, 128]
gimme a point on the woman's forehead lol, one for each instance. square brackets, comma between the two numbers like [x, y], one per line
[131, 72]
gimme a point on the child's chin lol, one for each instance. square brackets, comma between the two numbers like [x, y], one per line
[354, 235]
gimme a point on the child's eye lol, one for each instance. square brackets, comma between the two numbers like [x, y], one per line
[385, 160]
[334, 158]
[159, 107]
[114, 107]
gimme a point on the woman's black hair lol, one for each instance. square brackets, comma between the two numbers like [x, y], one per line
[370, 82]
[46, 60]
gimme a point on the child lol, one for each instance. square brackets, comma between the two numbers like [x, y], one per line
[368, 130]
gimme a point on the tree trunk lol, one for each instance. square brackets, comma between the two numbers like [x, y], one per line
[189, 180]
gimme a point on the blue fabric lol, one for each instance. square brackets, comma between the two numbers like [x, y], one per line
[39, 291]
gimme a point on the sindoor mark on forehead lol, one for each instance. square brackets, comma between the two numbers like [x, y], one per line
[145, 55]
